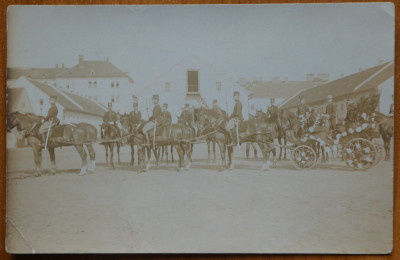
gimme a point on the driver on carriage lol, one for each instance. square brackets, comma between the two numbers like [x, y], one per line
[235, 117]
[273, 113]
[331, 111]
[50, 120]
[165, 115]
[187, 117]
[154, 120]
[110, 117]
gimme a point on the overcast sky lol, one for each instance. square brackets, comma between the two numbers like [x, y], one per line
[241, 41]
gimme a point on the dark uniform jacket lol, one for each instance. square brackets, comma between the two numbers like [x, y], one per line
[351, 115]
[135, 116]
[186, 116]
[237, 110]
[156, 113]
[165, 117]
[331, 110]
[302, 109]
[52, 114]
[110, 116]
[273, 112]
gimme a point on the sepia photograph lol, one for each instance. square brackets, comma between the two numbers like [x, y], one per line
[263, 128]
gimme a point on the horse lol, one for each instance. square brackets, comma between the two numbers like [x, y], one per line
[76, 135]
[386, 130]
[289, 122]
[110, 136]
[254, 130]
[253, 145]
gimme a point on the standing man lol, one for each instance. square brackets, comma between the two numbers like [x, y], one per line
[50, 120]
[351, 111]
[331, 111]
[165, 116]
[235, 116]
[273, 113]
[154, 119]
[187, 117]
[391, 110]
[302, 109]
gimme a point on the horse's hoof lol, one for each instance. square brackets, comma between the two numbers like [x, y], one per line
[36, 174]
[82, 172]
[52, 171]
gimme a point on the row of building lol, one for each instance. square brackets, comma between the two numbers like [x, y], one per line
[85, 89]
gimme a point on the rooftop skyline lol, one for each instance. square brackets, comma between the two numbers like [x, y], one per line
[250, 41]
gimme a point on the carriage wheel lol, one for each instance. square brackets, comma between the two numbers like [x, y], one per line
[379, 150]
[304, 157]
[360, 154]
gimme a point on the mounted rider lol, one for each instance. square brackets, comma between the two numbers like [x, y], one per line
[135, 116]
[187, 117]
[50, 120]
[165, 116]
[154, 120]
[236, 117]
[273, 113]
[110, 118]
[331, 111]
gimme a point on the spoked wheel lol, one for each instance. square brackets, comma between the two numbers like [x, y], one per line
[360, 154]
[304, 157]
[379, 150]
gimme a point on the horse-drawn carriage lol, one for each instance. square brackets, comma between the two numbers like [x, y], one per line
[360, 150]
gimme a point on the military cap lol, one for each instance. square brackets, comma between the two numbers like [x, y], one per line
[155, 96]
[134, 97]
[165, 105]
[236, 93]
[53, 97]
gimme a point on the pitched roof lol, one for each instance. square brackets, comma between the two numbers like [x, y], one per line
[357, 82]
[34, 73]
[88, 105]
[90, 69]
[262, 89]
[71, 101]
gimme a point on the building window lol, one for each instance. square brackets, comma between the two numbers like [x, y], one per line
[112, 84]
[167, 87]
[95, 84]
[117, 84]
[112, 99]
[92, 72]
[193, 81]
[90, 84]
[219, 85]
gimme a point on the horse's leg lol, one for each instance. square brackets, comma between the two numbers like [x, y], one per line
[82, 153]
[148, 149]
[133, 154]
[92, 155]
[166, 153]
[37, 154]
[118, 146]
[230, 159]
[255, 150]
[112, 154]
[52, 159]
[172, 153]
[156, 156]
[222, 149]
[106, 147]
[179, 149]
[213, 149]
[265, 153]
[247, 150]
[386, 144]
[208, 149]
[189, 155]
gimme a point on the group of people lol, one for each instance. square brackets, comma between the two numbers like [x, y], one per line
[161, 115]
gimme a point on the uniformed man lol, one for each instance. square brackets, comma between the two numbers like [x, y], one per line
[273, 113]
[187, 117]
[235, 116]
[154, 119]
[165, 116]
[302, 109]
[51, 119]
[331, 111]
[391, 110]
[135, 116]
[351, 111]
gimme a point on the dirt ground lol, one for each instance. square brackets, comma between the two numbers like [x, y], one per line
[330, 209]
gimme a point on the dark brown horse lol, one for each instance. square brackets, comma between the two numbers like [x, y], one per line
[76, 135]
[111, 137]
[386, 129]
